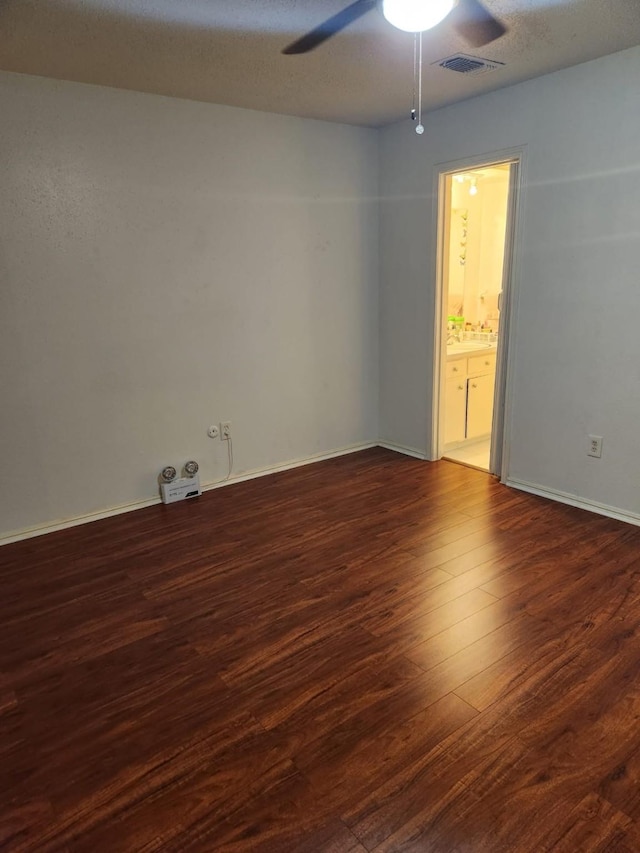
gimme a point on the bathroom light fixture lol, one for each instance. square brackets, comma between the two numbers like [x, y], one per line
[414, 16]
[473, 189]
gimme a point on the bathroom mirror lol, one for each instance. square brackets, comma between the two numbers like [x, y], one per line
[477, 223]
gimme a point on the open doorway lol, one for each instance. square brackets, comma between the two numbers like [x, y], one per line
[475, 237]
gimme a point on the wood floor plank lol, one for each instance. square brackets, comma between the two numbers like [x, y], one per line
[520, 637]
[188, 799]
[8, 700]
[342, 703]
[279, 690]
[464, 633]
[22, 821]
[516, 667]
[594, 824]
[415, 617]
[390, 735]
[621, 785]
[95, 638]
[371, 653]
[551, 765]
[281, 819]
[287, 633]
[411, 801]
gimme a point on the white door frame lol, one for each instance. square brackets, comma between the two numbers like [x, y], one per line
[504, 370]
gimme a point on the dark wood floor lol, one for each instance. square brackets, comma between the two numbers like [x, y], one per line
[366, 654]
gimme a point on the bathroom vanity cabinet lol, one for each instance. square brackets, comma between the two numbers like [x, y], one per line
[469, 385]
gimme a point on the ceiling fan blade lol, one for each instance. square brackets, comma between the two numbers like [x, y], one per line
[476, 23]
[330, 27]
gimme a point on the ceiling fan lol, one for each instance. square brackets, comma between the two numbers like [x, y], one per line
[473, 20]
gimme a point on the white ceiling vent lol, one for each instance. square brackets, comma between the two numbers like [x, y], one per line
[464, 64]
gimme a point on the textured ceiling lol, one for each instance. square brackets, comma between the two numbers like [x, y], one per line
[228, 51]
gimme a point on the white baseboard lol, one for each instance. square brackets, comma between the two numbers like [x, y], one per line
[30, 532]
[522, 485]
[401, 448]
[40, 530]
[574, 500]
[287, 466]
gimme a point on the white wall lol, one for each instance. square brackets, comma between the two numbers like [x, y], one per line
[576, 349]
[166, 264]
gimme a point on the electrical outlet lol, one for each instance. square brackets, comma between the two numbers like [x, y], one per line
[225, 430]
[595, 446]
[213, 431]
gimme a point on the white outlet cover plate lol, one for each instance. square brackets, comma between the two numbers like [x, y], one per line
[595, 446]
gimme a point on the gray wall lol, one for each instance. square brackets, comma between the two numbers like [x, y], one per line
[166, 264]
[576, 353]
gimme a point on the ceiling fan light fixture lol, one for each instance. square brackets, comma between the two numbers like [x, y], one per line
[414, 16]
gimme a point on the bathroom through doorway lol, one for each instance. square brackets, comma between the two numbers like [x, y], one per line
[475, 235]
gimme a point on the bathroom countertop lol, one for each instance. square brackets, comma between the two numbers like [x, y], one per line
[470, 348]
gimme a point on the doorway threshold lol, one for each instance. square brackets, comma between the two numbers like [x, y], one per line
[475, 455]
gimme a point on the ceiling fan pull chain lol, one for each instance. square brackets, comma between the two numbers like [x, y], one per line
[415, 75]
[420, 126]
